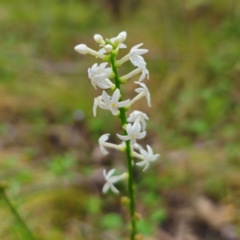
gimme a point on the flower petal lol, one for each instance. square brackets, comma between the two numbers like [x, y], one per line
[142, 135]
[114, 110]
[124, 138]
[104, 138]
[111, 172]
[105, 187]
[116, 96]
[150, 151]
[123, 103]
[114, 189]
[136, 128]
[105, 97]
[129, 129]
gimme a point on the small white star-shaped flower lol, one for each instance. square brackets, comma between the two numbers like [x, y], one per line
[135, 56]
[147, 157]
[99, 76]
[138, 61]
[102, 143]
[143, 92]
[112, 103]
[138, 116]
[133, 133]
[110, 180]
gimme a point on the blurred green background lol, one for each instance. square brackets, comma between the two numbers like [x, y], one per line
[48, 136]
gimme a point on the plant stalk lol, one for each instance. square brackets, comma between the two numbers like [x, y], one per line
[13, 210]
[128, 154]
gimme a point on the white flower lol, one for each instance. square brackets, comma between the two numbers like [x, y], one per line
[136, 58]
[133, 133]
[147, 157]
[112, 103]
[84, 49]
[102, 143]
[138, 116]
[145, 73]
[99, 76]
[110, 180]
[143, 92]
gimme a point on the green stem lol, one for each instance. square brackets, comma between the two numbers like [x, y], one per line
[16, 215]
[128, 154]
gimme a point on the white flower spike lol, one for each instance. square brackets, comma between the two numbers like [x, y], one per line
[99, 76]
[102, 143]
[110, 180]
[134, 133]
[112, 103]
[147, 157]
[143, 92]
[138, 116]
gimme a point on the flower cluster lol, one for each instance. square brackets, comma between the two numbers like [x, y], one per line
[106, 78]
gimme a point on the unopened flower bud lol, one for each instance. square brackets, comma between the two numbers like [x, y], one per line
[84, 49]
[137, 216]
[120, 38]
[81, 48]
[108, 48]
[138, 237]
[99, 39]
[125, 201]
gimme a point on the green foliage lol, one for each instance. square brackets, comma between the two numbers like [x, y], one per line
[146, 227]
[111, 221]
[62, 165]
[94, 205]
[215, 187]
[159, 216]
